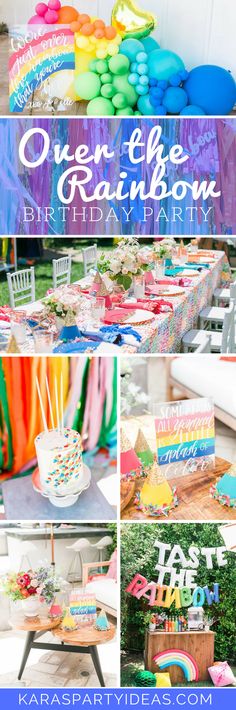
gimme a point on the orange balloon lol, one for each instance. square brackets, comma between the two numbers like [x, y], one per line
[110, 32]
[99, 24]
[87, 29]
[75, 26]
[66, 15]
[99, 34]
[84, 18]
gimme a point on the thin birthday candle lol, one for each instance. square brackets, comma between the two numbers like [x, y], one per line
[41, 405]
[57, 407]
[61, 404]
[50, 403]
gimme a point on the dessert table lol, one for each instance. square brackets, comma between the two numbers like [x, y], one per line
[83, 640]
[164, 332]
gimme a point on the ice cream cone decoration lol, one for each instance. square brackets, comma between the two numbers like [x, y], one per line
[70, 330]
[143, 450]
[156, 496]
[68, 623]
[99, 287]
[130, 466]
[224, 491]
[131, 21]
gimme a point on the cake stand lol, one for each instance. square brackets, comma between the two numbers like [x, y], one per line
[63, 501]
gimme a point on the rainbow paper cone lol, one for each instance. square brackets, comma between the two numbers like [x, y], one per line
[143, 450]
[99, 288]
[130, 466]
[12, 346]
[102, 623]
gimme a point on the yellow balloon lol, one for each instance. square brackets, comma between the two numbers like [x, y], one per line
[82, 42]
[93, 39]
[130, 21]
[112, 50]
[101, 54]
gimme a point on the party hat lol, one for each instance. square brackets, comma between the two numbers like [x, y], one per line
[226, 487]
[130, 466]
[70, 330]
[12, 345]
[55, 611]
[156, 491]
[143, 450]
[102, 623]
[68, 623]
[100, 288]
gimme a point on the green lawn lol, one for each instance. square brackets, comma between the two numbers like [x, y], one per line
[134, 662]
[43, 279]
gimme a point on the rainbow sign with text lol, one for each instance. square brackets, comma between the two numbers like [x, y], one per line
[41, 68]
[185, 436]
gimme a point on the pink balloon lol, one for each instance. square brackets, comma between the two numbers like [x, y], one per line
[54, 5]
[41, 8]
[51, 17]
[36, 20]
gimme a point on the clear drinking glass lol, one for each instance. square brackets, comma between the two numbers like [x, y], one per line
[98, 309]
[43, 341]
[19, 329]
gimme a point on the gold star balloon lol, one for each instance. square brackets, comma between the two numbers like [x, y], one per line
[130, 21]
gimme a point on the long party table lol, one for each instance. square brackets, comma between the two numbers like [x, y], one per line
[164, 333]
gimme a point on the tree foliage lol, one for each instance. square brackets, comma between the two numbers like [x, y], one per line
[138, 554]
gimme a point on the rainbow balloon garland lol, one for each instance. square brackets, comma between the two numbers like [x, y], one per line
[119, 69]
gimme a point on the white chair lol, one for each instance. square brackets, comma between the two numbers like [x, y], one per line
[61, 271]
[74, 573]
[89, 258]
[221, 341]
[21, 285]
[214, 315]
[205, 346]
[102, 544]
[223, 295]
[26, 548]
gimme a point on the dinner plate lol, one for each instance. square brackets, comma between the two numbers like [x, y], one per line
[167, 291]
[139, 317]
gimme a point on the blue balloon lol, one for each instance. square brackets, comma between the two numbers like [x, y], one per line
[162, 84]
[162, 64]
[212, 88]
[175, 80]
[191, 110]
[149, 44]
[153, 82]
[175, 99]
[131, 47]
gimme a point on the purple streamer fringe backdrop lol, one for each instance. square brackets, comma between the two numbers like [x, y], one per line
[209, 143]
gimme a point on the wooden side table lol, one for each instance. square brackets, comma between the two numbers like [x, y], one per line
[200, 644]
[83, 640]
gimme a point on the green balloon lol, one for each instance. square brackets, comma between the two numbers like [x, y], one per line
[108, 91]
[119, 101]
[128, 111]
[100, 107]
[93, 65]
[137, 113]
[106, 78]
[122, 86]
[87, 85]
[101, 66]
[119, 64]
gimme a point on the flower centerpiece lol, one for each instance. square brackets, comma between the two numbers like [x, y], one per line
[163, 249]
[124, 264]
[32, 588]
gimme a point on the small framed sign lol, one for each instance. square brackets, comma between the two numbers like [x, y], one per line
[41, 69]
[185, 436]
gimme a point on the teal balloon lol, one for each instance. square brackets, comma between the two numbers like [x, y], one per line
[133, 79]
[149, 44]
[175, 99]
[192, 110]
[144, 106]
[162, 63]
[87, 85]
[130, 48]
[121, 84]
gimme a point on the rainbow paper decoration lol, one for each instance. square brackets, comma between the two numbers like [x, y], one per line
[185, 436]
[176, 657]
[83, 607]
[48, 51]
